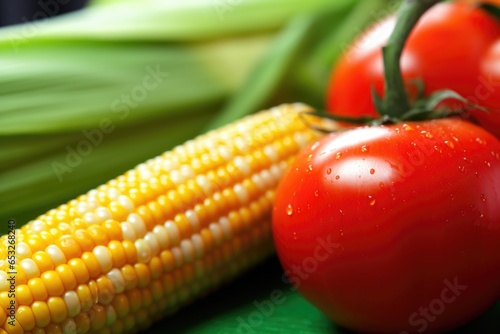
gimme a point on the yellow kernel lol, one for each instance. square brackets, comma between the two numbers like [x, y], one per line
[91, 263]
[84, 239]
[121, 305]
[129, 276]
[79, 270]
[69, 246]
[98, 234]
[143, 274]
[43, 261]
[130, 251]
[67, 276]
[105, 290]
[117, 253]
[167, 260]
[82, 321]
[85, 297]
[41, 313]
[155, 267]
[25, 317]
[53, 283]
[134, 297]
[23, 295]
[38, 289]
[57, 308]
[113, 229]
[53, 329]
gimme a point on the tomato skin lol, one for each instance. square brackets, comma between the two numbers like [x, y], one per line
[446, 50]
[409, 209]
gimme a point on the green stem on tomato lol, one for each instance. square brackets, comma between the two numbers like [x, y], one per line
[396, 101]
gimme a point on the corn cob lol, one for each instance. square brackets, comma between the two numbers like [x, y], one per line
[155, 238]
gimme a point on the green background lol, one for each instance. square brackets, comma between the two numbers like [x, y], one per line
[218, 313]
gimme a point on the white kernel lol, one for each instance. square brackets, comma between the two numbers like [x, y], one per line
[170, 164]
[267, 178]
[240, 144]
[173, 232]
[116, 278]
[113, 194]
[128, 231]
[162, 236]
[144, 253]
[217, 233]
[30, 268]
[23, 251]
[90, 218]
[64, 227]
[72, 302]
[103, 256]
[82, 208]
[300, 139]
[176, 177]
[257, 180]
[193, 219]
[197, 242]
[276, 172]
[187, 250]
[56, 254]
[177, 253]
[110, 315]
[152, 242]
[68, 326]
[204, 183]
[187, 172]
[38, 226]
[225, 225]
[138, 224]
[224, 152]
[126, 203]
[242, 165]
[271, 153]
[241, 193]
[102, 213]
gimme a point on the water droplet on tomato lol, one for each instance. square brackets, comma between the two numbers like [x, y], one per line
[455, 139]
[372, 171]
[316, 193]
[289, 209]
[337, 177]
[338, 155]
[480, 141]
[315, 145]
[341, 232]
[309, 157]
[328, 171]
[381, 184]
[477, 174]
[310, 168]
[407, 127]
[449, 144]
[461, 169]
[426, 134]
[364, 148]
[487, 163]
[371, 200]
[483, 197]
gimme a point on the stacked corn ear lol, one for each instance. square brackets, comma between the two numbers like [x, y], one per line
[155, 238]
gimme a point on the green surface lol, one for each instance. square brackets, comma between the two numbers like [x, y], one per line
[225, 311]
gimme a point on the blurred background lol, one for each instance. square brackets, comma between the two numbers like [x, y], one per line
[20, 11]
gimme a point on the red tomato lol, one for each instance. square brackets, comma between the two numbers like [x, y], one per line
[446, 50]
[394, 229]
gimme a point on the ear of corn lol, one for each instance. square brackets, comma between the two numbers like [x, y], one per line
[155, 238]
